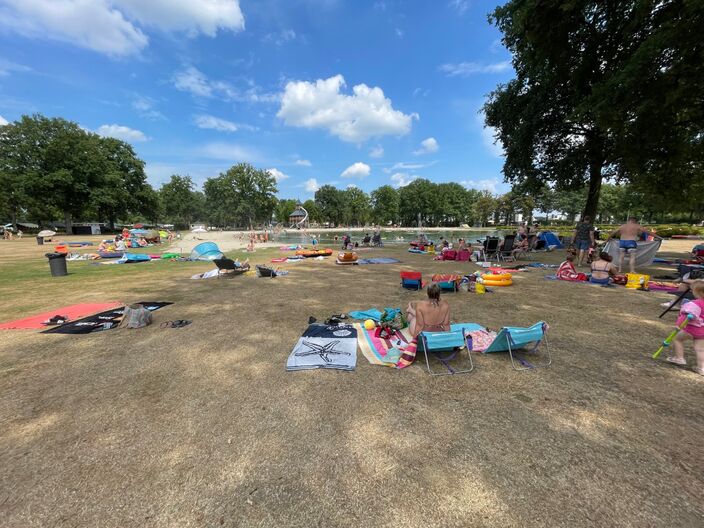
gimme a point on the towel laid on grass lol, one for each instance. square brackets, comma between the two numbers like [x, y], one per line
[397, 351]
[325, 347]
[101, 321]
[378, 260]
[74, 311]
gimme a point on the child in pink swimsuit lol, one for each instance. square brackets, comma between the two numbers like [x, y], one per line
[694, 329]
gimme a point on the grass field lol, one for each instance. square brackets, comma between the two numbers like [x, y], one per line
[202, 426]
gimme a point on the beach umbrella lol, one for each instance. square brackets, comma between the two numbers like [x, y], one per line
[139, 231]
[139, 226]
[46, 233]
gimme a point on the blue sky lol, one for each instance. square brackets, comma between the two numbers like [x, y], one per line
[348, 92]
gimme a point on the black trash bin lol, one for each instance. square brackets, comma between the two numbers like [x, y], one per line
[40, 241]
[57, 264]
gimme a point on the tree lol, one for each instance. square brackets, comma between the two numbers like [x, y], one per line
[330, 201]
[179, 200]
[484, 207]
[356, 206]
[385, 205]
[418, 200]
[284, 208]
[242, 195]
[602, 89]
[314, 214]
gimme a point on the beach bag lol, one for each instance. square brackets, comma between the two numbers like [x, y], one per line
[136, 316]
[393, 320]
[637, 281]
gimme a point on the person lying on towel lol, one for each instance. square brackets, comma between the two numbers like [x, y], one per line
[567, 271]
[432, 315]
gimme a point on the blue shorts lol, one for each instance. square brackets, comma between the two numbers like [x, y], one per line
[582, 245]
[599, 281]
[627, 245]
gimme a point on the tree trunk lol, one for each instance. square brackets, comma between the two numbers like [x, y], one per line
[595, 179]
[69, 224]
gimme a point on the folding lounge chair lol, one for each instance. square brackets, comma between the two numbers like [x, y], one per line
[227, 266]
[490, 248]
[265, 271]
[446, 346]
[412, 280]
[514, 338]
[447, 282]
[506, 251]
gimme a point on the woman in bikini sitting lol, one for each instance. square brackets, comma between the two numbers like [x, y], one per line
[432, 315]
[602, 269]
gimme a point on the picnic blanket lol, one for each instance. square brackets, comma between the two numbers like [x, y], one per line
[74, 311]
[325, 347]
[101, 321]
[378, 260]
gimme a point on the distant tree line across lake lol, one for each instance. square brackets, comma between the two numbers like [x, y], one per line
[53, 170]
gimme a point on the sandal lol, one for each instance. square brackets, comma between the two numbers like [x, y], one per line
[677, 361]
[178, 323]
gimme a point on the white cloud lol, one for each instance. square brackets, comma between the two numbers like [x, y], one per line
[302, 163]
[352, 186]
[427, 146]
[7, 67]
[231, 152]
[277, 174]
[121, 132]
[215, 123]
[112, 26]
[280, 38]
[3, 121]
[401, 179]
[488, 184]
[399, 32]
[376, 152]
[355, 118]
[311, 185]
[408, 166]
[464, 69]
[357, 170]
[145, 108]
[194, 81]
[459, 5]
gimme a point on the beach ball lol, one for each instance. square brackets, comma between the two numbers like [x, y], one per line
[369, 324]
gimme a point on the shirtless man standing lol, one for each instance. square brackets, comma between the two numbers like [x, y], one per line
[630, 231]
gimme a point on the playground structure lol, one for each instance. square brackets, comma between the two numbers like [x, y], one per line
[298, 219]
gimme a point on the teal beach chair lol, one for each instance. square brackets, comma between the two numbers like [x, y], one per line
[513, 338]
[446, 346]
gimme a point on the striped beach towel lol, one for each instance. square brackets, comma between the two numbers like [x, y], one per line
[398, 351]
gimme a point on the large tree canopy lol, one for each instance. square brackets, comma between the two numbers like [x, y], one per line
[602, 89]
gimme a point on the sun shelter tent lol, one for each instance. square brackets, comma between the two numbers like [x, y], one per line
[550, 239]
[644, 254]
[206, 251]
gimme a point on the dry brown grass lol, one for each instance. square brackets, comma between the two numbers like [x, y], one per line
[202, 426]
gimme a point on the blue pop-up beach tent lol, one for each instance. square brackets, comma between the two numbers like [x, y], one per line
[551, 239]
[206, 251]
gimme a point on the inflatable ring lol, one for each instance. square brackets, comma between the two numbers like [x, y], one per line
[506, 282]
[497, 277]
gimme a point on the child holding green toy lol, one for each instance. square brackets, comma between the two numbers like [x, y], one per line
[694, 329]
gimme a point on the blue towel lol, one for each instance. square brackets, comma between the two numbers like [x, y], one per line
[371, 313]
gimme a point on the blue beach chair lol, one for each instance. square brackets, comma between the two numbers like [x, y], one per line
[446, 346]
[513, 338]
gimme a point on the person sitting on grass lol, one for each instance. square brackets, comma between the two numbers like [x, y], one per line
[694, 329]
[567, 271]
[432, 315]
[602, 269]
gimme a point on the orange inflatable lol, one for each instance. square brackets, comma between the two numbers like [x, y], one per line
[314, 252]
[348, 257]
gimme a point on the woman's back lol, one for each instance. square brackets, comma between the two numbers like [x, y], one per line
[432, 316]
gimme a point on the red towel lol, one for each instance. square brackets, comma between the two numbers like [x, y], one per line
[75, 311]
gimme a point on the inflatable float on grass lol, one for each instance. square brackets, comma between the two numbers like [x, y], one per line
[348, 257]
[497, 279]
[314, 252]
